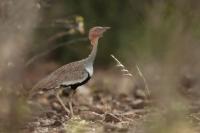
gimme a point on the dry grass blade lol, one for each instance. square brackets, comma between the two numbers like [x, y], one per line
[144, 80]
[195, 117]
[127, 73]
[122, 67]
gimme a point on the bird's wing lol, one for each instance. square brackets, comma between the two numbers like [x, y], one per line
[69, 74]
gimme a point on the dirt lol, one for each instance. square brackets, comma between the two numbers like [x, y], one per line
[98, 109]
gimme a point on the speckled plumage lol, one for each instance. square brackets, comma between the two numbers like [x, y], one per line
[69, 74]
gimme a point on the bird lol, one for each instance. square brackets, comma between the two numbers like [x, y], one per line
[66, 79]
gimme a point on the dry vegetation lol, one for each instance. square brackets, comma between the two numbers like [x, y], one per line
[158, 92]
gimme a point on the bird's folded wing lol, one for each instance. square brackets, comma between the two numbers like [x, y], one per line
[66, 75]
[78, 79]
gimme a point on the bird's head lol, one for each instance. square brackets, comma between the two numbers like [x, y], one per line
[95, 33]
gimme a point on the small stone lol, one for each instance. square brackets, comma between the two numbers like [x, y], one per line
[57, 123]
[138, 104]
[130, 115]
[50, 114]
[98, 109]
[111, 118]
[56, 106]
[45, 122]
[89, 115]
[140, 94]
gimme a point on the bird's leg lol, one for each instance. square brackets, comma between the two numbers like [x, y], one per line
[70, 103]
[61, 102]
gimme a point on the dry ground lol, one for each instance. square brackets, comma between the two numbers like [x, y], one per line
[111, 103]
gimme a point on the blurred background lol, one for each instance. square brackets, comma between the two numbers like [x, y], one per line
[162, 37]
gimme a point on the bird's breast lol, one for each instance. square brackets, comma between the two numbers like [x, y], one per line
[89, 69]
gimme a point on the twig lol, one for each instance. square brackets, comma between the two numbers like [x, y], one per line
[56, 36]
[144, 80]
[31, 60]
[122, 67]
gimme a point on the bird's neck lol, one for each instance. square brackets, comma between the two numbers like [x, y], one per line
[93, 53]
[90, 59]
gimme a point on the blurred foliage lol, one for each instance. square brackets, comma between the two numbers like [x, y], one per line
[124, 17]
[139, 28]
[167, 31]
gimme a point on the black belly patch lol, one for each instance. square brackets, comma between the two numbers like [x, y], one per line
[67, 89]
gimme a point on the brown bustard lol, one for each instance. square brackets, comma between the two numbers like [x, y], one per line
[70, 76]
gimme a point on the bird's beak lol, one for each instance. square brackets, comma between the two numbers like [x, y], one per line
[103, 30]
[106, 28]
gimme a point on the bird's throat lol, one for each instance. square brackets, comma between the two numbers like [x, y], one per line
[94, 41]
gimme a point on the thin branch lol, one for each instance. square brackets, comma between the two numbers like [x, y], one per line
[144, 80]
[36, 57]
[56, 36]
